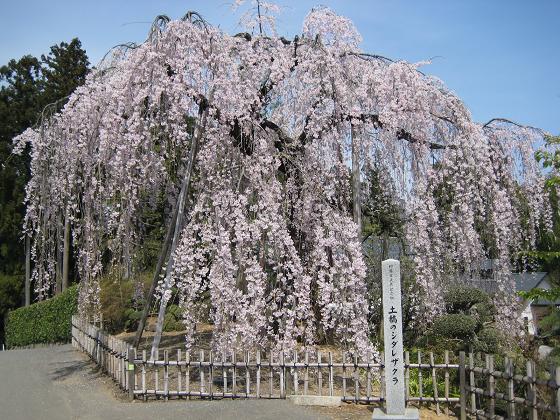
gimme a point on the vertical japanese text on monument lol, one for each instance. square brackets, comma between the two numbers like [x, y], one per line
[392, 320]
[394, 344]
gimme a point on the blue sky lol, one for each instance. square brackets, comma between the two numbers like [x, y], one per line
[502, 57]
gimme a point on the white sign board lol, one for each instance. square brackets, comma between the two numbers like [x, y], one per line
[392, 332]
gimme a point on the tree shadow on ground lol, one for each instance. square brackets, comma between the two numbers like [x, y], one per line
[69, 368]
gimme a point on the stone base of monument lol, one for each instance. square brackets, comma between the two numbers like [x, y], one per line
[409, 414]
[317, 400]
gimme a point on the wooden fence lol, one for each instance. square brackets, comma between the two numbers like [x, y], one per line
[454, 384]
[509, 392]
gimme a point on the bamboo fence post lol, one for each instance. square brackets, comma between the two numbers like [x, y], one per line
[319, 374]
[270, 373]
[188, 373]
[331, 376]
[306, 377]
[434, 382]
[131, 368]
[368, 387]
[472, 383]
[123, 365]
[179, 373]
[557, 383]
[234, 375]
[406, 376]
[420, 383]
[343, 375]
[296, 381]
[382, 376]
[356, 379]
[531, 391]
[144, 375]
[201, 371]
[510, 388]
[491, 387]
[258, 373]
[247, 375]
[462, 386]
[156, 373]
[224, 374]
[211, 375]
[282, 375]
[446, 382]
[165, 375]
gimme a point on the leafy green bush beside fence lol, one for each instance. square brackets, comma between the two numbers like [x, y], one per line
[43, 322]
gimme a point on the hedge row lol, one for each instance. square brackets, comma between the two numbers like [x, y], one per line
[43, 322]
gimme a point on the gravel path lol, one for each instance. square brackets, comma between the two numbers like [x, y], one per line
[57, 383]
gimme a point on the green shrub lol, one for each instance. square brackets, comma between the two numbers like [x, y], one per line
[463, 298]
[44, 322]
[487, 341]
[11, 291]
[454, 326]
[173, 319]
[121, 309]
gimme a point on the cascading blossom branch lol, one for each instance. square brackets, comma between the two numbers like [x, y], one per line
[271, 242]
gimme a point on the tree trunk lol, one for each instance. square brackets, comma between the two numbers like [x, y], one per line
[356, 184]
[27, 270]
[66, 253]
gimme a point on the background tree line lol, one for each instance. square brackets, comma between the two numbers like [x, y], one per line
[27, 86]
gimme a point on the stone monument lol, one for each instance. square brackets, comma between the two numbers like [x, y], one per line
[395, 406]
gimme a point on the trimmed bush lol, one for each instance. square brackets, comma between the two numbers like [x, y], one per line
[173, 317]
[488, 341]
[11, 291]
[454, 326]
[462, 298]
[43, 322]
